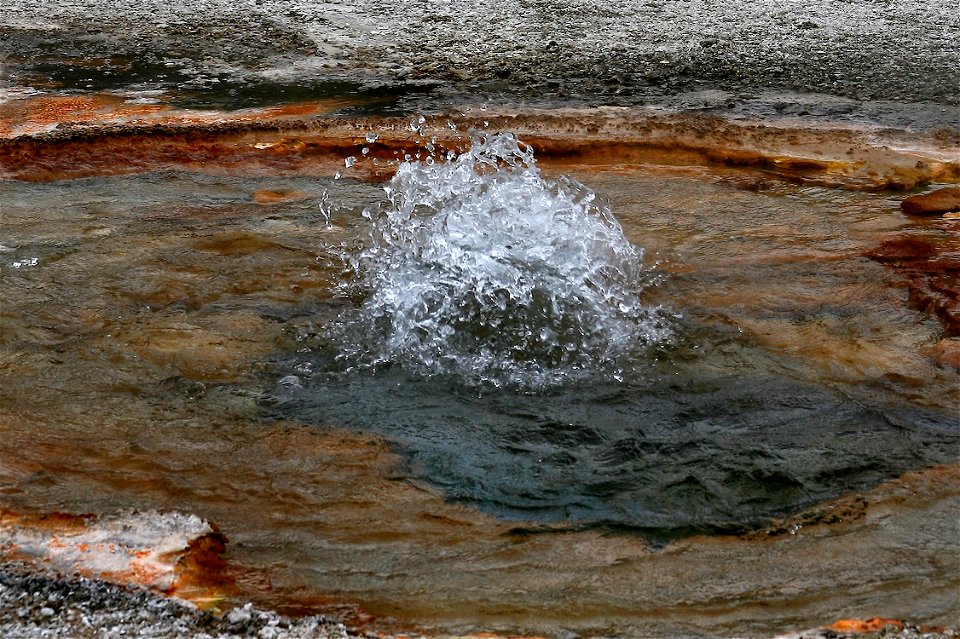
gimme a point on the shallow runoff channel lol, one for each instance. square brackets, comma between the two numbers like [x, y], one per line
[202, 340]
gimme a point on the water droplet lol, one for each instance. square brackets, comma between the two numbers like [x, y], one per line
[350, 161]
[30, 261]
[371, 137]
[338, 175]
[326, 210]
[365, 150]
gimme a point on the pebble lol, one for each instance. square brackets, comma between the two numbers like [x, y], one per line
[89, 608]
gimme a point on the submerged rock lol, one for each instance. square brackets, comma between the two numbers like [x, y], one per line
[947, 352]
[940, 201]
[930, 273]
[271, 196]
[901, 250]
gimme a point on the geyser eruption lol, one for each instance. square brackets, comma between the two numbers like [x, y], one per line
[481, 269]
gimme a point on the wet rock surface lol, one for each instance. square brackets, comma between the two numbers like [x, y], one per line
[930, 270]
[942, 200]
[873, 628]
[110, 139]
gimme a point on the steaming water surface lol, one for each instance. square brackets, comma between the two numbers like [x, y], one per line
[170, 342]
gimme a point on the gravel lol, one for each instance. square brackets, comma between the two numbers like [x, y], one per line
[35, 605]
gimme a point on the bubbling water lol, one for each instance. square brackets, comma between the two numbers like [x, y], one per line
[481, 269]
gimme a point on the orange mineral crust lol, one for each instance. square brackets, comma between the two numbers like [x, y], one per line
[860, 626]
[300, 139]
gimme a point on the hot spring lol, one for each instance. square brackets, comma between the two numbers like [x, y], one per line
[503, 333]
[463, 389]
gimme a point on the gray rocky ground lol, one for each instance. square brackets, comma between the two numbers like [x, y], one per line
[35, 605]
[770, 57]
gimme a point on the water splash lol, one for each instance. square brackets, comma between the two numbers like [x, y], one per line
[482, 269]
[30, 261]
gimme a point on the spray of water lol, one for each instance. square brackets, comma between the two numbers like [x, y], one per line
[481, 269]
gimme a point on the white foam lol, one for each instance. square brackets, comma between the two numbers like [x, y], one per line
[482, 269]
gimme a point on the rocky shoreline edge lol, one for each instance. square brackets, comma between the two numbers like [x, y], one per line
[36, 604]
[164, 575]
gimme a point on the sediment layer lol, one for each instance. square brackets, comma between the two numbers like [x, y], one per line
[111, 140]
[50, 586]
